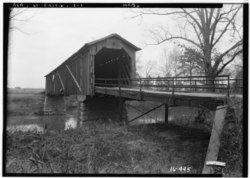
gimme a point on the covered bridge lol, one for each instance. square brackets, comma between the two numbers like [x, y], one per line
[108, 57]
[112, 58]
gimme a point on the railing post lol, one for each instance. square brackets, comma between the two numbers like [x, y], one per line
[173, 86]
[140, 87]
[190, 86]
[235, 84]
[228, 86]
[140, 84]
[195, 85]
[168, 86]
[105, 81]
[119, 82]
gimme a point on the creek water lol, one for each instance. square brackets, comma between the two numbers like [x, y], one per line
[41, 123]
[68, 114]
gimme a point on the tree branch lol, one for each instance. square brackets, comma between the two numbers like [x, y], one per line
[192, 17]
[177, 37]
[196, 32]
[219, 59]
[213, 26]
[210, 17]
[224, 65]
[225, 29]
[150, 12]
[14, 14]
[230, 49]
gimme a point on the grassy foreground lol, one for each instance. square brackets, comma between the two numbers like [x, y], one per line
[107, 147]
[231, 149]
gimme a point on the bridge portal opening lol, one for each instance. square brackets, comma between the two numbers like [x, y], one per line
[112, 64]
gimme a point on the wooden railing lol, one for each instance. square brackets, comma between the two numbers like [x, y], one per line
[221, 84]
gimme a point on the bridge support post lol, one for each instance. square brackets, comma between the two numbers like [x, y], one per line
[80, 113]
[214, 143]
[166, 114]
[122, 118]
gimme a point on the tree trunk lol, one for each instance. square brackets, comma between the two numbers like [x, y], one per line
[210, 82]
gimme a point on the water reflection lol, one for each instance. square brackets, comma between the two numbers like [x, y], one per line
[77, 115]
[71, 123]
[149, 121]
[25, 128]
[137, 108]
[41, 123]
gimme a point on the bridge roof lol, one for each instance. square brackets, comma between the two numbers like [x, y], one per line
[87, 45]
[114, 35]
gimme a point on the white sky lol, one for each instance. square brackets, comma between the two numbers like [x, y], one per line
[54, 34]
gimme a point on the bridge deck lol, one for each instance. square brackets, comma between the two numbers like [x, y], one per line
[209, 100]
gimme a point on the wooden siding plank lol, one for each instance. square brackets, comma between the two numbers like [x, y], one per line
[53, 81]
[63, 77]
[124, 73]
[73, 86]
[81, 73]
[55, 84]
[75, 67]
[68, 82]
[46, 85]
[125, 67]
[91, 75]
[61, 80]
[50, 85]
[58, 85]
[85, 71]
[71, 74]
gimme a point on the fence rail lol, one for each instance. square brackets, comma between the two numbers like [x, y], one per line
[220, 84]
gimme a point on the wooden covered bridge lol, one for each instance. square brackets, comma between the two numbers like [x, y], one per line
[109, 57]
[107, 67]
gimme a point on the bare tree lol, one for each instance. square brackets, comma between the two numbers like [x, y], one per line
[17, 16]
[205, 31]
[170, 68]
[148, 68]
[138, 65]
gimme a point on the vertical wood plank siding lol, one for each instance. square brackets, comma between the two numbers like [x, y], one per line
[82, 66]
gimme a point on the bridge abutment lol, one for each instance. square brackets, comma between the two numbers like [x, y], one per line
[102, 108]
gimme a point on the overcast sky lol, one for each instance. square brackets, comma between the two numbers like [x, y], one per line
[50, 36]
[45, 37]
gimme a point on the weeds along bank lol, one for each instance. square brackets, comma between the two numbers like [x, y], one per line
[107, 147]
[231, 150]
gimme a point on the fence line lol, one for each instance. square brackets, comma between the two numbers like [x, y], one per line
[220, 84]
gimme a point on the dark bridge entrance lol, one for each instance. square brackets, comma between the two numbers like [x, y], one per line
[112, 63]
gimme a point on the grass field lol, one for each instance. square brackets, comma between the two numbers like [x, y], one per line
[103, 147]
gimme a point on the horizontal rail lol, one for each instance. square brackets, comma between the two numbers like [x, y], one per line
[181, 84]
[220, 76]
